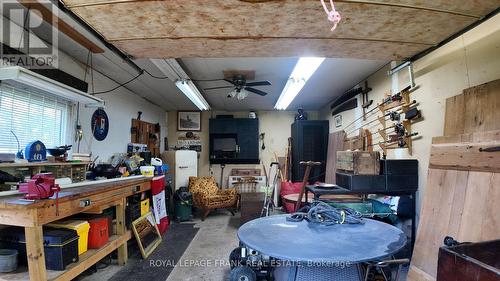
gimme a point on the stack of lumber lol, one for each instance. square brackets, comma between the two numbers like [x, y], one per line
[462, 194]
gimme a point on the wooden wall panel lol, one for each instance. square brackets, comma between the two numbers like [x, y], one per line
[435, 214]
[460, 203]
[477, 109]
[466, 156]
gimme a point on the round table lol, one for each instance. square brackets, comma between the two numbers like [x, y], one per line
[310, 251]
[306, 242]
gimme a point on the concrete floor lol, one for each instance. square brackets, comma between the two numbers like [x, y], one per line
[210, 248]
[206, 257]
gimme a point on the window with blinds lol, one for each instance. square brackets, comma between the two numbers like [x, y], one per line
[31, 116]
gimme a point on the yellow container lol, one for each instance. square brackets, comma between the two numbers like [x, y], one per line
[147, 171]
[144, 207]
[80, 226]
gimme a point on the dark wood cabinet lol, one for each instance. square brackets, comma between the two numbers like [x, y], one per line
[234, 141]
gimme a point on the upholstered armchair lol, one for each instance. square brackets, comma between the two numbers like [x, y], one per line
[207, 196]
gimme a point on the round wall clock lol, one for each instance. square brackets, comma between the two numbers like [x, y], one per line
[100, 124]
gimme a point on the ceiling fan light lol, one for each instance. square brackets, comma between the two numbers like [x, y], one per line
[242, 95]
[232, 94]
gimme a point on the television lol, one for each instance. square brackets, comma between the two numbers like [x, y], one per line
[223, 146]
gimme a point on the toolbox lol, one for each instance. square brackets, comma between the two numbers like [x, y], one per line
[80, 226]
[99, 232]
[60, 245]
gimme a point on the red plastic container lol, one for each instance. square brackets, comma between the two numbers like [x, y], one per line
[289, 188]
[98, 233]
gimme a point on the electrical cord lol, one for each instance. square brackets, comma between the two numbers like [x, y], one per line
[154, 76]
[120, 85]
[322, 213]
[134, 78]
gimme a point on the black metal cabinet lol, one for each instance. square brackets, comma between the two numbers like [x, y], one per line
[309, 143]
[244, 131]
[248, 139]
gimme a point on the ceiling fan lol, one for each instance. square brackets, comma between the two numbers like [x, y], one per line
[241, 87]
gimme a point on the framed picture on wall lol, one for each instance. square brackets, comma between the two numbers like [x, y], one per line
[189, 121]
[338, 121]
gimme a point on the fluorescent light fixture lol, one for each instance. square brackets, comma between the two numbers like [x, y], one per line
[302, 71]
[173, 70]
[19, 75]
[190, 90]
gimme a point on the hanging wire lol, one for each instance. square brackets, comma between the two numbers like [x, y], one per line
[154, 76]
[87, 63]
[92, 72]
[120, 85]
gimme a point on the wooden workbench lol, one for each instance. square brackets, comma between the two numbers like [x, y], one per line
[92, 198]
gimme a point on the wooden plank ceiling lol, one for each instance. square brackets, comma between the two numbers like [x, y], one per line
[381, 29]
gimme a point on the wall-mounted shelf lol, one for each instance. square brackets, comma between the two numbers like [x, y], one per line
[74, 170]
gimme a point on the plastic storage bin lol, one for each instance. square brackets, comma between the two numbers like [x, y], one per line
[144, 207]
[98, 233]
[60, 245]
[80, 226]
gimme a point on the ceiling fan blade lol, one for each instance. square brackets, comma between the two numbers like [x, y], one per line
[258, 83]
[230, 81]
[223, 87]
[255, 91]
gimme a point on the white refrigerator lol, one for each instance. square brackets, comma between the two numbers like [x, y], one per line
[182, 165]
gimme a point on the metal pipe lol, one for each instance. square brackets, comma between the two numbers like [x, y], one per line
[398, 68]
[410, 74]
